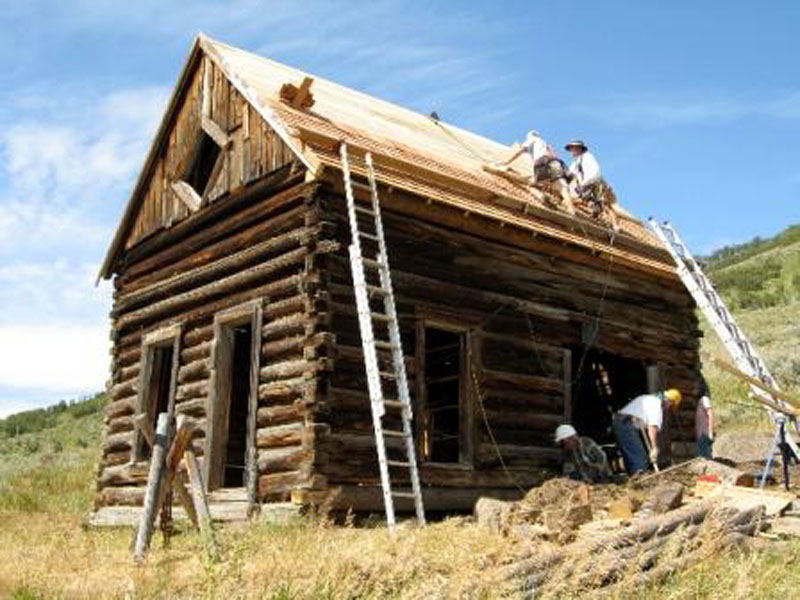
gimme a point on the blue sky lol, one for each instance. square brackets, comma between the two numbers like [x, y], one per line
[692, 108]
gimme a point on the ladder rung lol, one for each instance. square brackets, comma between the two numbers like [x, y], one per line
[393, 433]
[369, 236]
[385, 345]
[376, 289]
[398, 463]
[366, 211]
[404, 494]
[380, 317]
[370, 262]
[387, 374]
[395, 404]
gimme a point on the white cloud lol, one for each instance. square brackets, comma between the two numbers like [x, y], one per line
[67, 360]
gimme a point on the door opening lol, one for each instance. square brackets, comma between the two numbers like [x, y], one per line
[442, 411]
[604, 384]
[236, 442]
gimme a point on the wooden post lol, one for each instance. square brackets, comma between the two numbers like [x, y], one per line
[152, 494]
[201, 505]
[141, 422]
[183, 435]
[251, 474]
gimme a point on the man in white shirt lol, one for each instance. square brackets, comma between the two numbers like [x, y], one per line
[704, 423]
[547, 167]
[636, 426]
[589, 184]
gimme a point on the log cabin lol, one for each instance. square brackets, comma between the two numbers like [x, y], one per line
[233, 300]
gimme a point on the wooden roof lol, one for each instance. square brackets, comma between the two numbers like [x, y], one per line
[413, 152]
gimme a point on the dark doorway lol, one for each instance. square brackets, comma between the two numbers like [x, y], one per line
[158, 389]
[236, 445]
[442, 410]
[603, 384]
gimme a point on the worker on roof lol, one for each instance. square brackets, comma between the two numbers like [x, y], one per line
[583, 458]
[636, 426]
[547, 166]
[588, 183]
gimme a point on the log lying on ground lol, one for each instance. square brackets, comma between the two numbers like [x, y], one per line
[657, 544]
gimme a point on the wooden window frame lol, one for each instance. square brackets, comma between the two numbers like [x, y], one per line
[159, 338]
[466, 399]
[220, 381]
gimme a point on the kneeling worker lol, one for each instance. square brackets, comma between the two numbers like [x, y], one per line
[636, 426]
[583, 458]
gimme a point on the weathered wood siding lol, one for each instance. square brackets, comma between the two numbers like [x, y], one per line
[256, 248]
[525, 313]
[254, 151]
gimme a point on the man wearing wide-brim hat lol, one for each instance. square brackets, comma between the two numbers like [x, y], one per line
[588, 183]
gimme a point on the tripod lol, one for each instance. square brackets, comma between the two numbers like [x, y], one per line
[789, 452]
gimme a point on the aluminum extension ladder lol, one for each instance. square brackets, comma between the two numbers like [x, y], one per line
[383, 359]
[732, 336]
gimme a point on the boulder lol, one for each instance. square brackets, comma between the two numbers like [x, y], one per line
[493, 514]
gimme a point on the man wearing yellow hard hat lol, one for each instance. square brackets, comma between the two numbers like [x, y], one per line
[636, 426]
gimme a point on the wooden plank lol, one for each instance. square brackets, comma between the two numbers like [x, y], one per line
[744, 498]
[155, 481]
[201, 505]
[187, 195]
[777, 394]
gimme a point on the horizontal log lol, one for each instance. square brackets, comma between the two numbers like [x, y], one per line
[199, 369]
[280, 435]
[119, 424]
[129, 373]
[126, 389]
[280, 460]
[286, 389]
[196, 389]
[131, 474]
[281, 308]
[120, 496]
[268, 416]
[195, 407]
[196, 352]
[260, 230]
[286, 370]
[214, 271]
[273, 484]
[231, 282]
[518, 454]
[125, 357]
[120, 408]
[115, 458]
[518, 381]
[117, 442]
[197, 335]
[282, 327]
[530, 421]
[290, 345]
[203, 228]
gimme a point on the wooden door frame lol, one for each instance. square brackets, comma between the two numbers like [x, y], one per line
[218, 401]
[159, 338]
[466, 398]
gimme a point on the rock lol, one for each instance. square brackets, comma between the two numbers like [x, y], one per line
[623, 508]
[664, 498]
[493, 514]
[571, 517]
[786, 527]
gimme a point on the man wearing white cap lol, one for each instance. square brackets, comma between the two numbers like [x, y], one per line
[546, 166]
[584, 459]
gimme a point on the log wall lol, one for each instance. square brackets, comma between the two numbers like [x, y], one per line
[525, 313]
[264, 247]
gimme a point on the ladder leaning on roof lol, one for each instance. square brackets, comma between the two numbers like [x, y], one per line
[383, 359]
[721, 319]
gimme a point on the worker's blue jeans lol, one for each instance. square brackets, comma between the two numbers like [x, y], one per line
[630, 444]
[705, 447]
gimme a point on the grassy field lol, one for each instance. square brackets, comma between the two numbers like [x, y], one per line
[46, 486]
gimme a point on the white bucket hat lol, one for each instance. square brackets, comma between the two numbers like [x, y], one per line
[563, 432]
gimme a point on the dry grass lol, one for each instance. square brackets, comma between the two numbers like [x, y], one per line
[52, 556]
